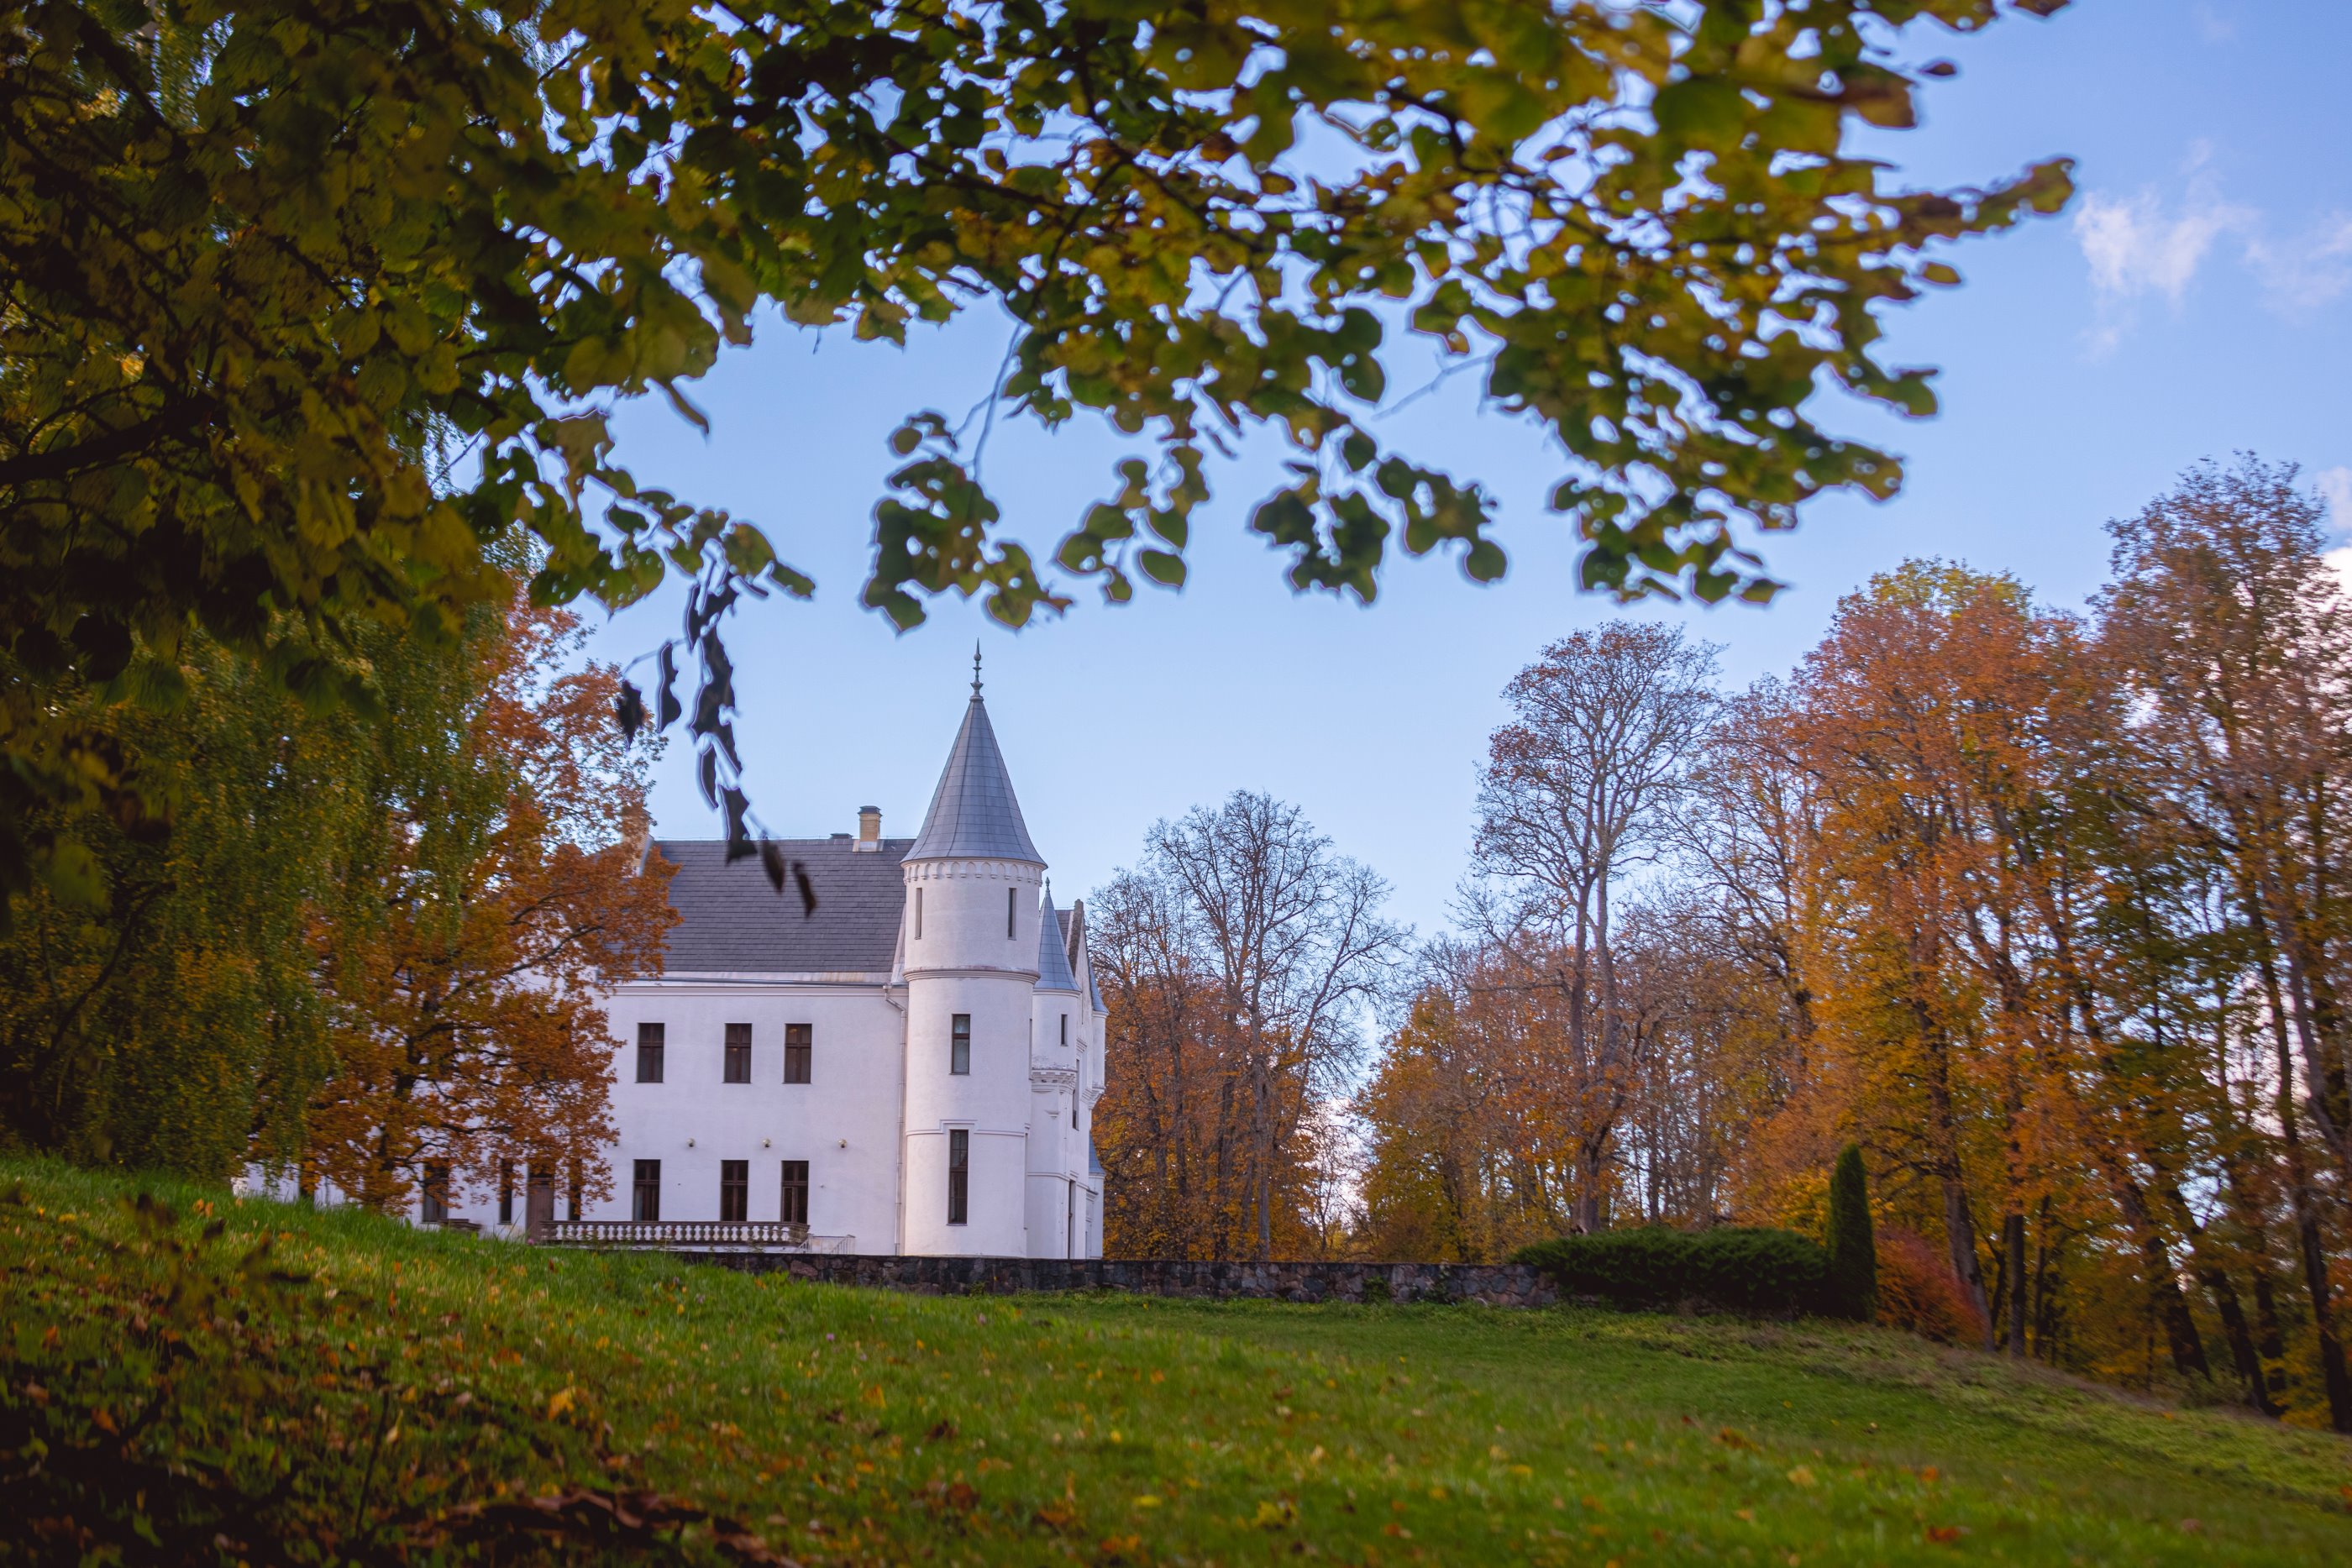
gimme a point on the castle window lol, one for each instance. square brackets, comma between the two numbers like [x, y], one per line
[1066, 1029]
[571, 1190]
[797, 1052]
[734, 1189]
[645, 1192]
[958, 1174]
[738, 1053]
[795, 1206]
[918, 915]
[436, 1192]
[1012, 903]
[506, 1192]
[959, 1044]
[651, 1038]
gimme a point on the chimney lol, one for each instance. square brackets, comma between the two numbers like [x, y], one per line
[869, 828]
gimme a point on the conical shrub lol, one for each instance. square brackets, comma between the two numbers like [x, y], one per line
[1854, 1255]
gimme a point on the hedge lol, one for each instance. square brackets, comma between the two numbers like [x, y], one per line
[1738, 1269]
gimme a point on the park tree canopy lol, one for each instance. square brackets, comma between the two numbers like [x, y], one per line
[311, 304]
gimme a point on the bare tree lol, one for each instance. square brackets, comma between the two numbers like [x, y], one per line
[1293, 935]
[1578, 791]
[1156, 1129]
[1242, 952]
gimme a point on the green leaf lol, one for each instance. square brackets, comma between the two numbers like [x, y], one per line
[1702, 111]
[1162, 567]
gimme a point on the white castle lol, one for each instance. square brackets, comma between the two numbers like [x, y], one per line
[911, 1068]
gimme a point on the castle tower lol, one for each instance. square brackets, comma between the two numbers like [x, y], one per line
[1057, 1145]
[970, 943]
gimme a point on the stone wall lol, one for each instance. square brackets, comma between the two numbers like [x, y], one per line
[1493, 1285]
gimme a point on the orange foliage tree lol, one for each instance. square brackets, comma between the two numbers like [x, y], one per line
[498, 900]
[1236, 958]
[2047, 912]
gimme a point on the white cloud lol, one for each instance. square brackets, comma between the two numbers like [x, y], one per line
[2135, 248]
[2335, 489]
[2144, 246]
[2304, 274]
[2213, 26]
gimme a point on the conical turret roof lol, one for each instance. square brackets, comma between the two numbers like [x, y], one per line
[1053, 959]
[974, 813]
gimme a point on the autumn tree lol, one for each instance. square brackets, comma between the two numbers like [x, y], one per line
[306, 305]
[1576, 796]
[165, 1026]
[2041, 912]
[498, 900]
[1241, 952]
[2226, 621]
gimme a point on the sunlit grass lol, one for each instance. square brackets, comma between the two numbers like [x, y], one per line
[855, 1425]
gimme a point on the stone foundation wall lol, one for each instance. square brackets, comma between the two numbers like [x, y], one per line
[1493, 1285]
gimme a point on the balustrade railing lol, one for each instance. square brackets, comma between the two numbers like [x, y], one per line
[690, 1233]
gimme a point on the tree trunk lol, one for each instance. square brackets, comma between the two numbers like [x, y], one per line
[2217, 1282]
[2300, 1199]
[2012, 1233]
[2165, 1299]
[1959, 1226]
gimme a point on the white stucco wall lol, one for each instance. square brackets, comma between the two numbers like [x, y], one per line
[871, 1123]
[962, 960]
[844, 1121]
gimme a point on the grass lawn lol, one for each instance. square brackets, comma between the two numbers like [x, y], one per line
[359, 1389]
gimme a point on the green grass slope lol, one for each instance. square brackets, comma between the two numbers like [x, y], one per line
[201, 1378]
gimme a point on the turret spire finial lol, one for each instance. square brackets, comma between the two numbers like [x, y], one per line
[976, 669]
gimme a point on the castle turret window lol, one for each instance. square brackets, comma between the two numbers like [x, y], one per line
[734, 1189]
[958, 1174]
[795, 1204]
[1012, 908]
[651, 1038]
[797, 1052]
[738, 1053]
[959, 1044]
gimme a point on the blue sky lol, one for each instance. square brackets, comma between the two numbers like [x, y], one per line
[2195, 300]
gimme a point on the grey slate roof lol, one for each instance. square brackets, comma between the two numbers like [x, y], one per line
[1073, 935]
[974, 813]
[1052, 957]
[732, 922]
